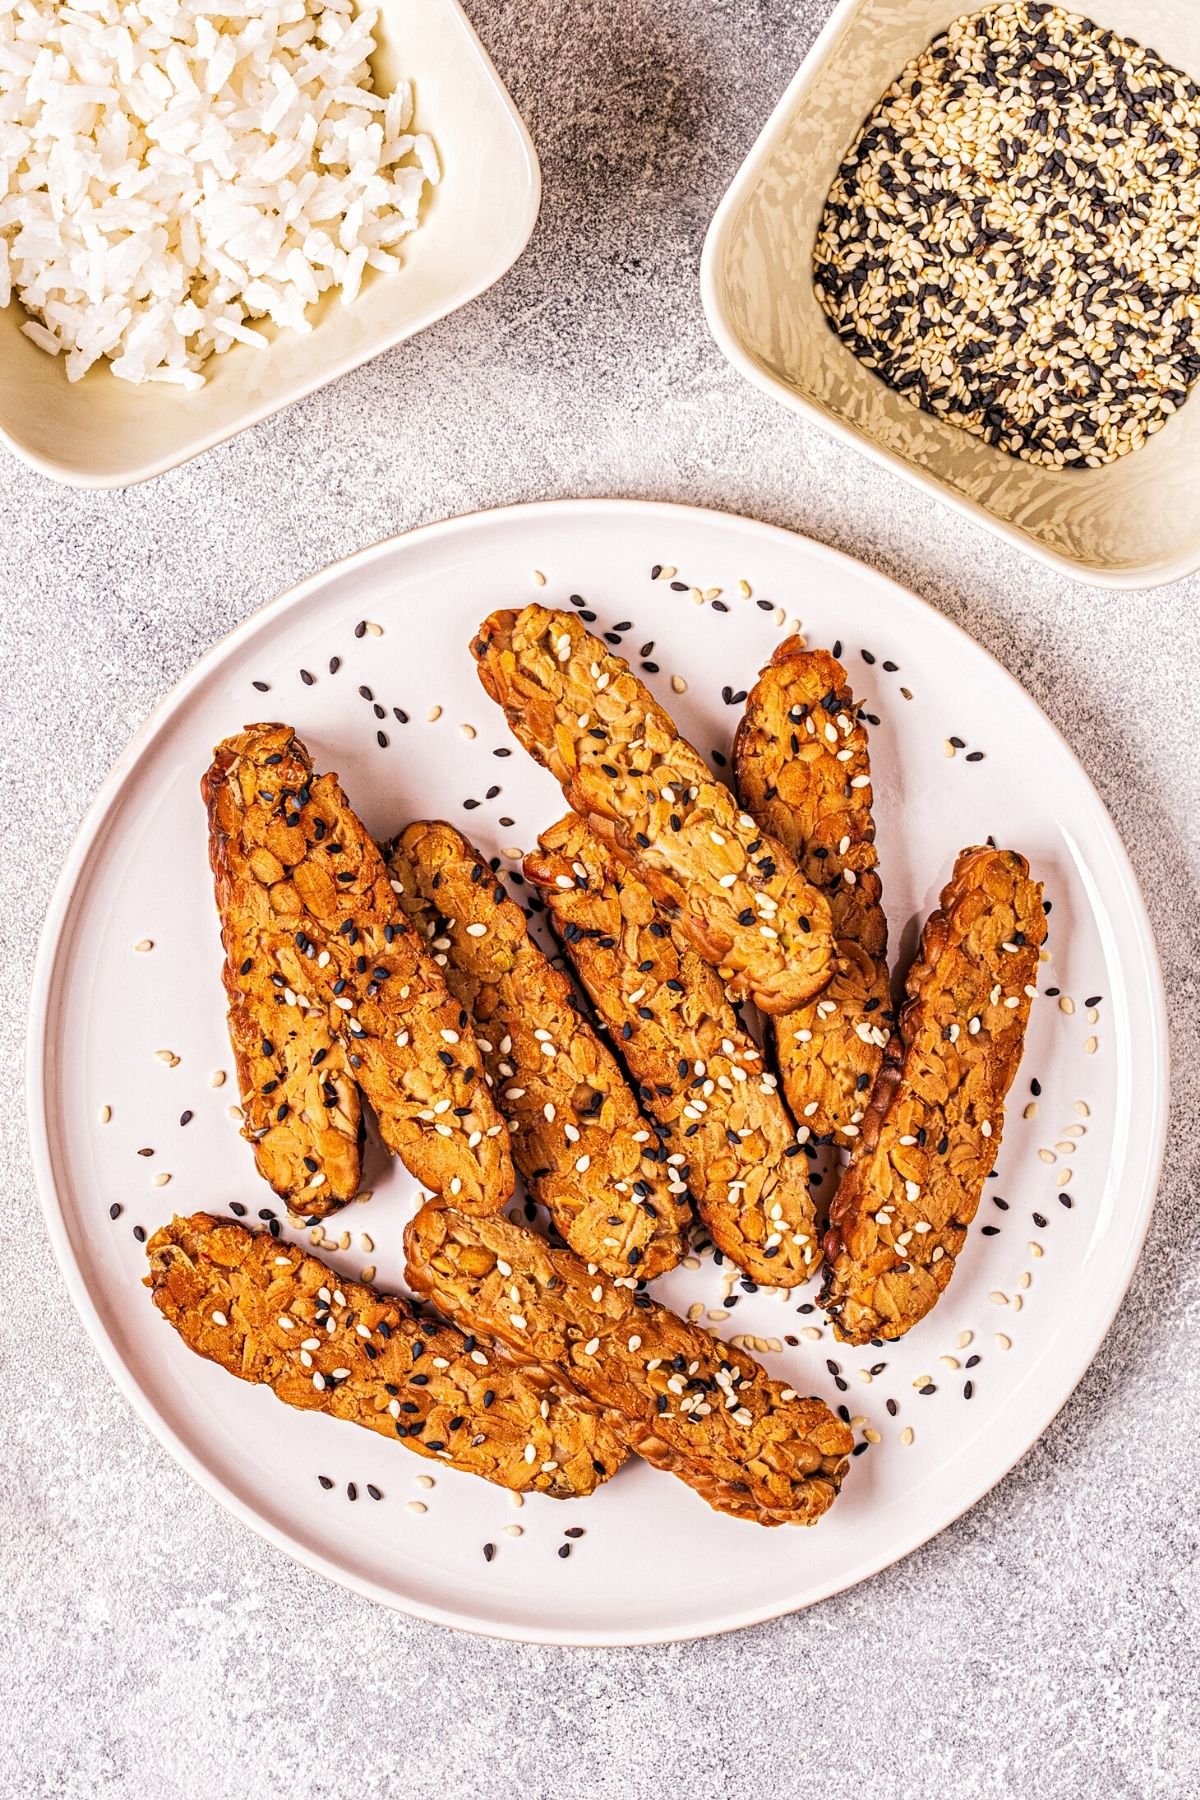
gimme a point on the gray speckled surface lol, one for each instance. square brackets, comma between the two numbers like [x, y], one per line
[1046, 1644]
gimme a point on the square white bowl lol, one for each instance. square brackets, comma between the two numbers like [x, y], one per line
[1134, 523]
[105, 433]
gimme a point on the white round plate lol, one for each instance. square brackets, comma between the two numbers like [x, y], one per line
[1030, 1300]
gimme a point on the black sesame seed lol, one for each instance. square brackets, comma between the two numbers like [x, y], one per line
[489, 1550]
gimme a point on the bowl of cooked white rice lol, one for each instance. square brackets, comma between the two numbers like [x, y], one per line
[205, 215]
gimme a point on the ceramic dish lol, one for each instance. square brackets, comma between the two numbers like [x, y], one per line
[1132, 524]
[103, 433]
[1030, 1303]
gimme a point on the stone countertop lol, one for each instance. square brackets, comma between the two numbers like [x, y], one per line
[153, 1646]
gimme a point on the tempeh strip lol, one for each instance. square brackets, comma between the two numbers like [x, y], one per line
[701, 1074]
[300, 1104]
[269, 1313]
[682, 1399]
[933, 1127]
[578, 1140]
[623, 767]
[803, 772]
[312, 899]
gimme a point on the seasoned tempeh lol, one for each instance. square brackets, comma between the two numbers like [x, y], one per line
[303, 893]
[271, 1314]
[682, 1399]
[701, 1074]
[300, 1105]
[803, 772]
[581, 1146]
[933, 1126]
[581, 711]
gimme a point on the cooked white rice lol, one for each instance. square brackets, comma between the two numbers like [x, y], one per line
[171, 169]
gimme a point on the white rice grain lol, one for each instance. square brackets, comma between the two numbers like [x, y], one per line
[169, 175]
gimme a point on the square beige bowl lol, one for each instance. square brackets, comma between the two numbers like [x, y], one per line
[1135, 523]
[104, 433]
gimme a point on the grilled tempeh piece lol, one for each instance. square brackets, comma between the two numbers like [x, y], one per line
[804, 773]
[304, 896]
[300, 1104]
[682, 1399]
[271, 1314]
[936, 1114]
[581, 711]
[701, 1073]
[581, 1146]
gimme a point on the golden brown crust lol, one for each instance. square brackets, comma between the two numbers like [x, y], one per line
[300, 1104]
[263, 1310]
[582, 1147]
[701, 1074]
[623, 767]
[303, 893]
[686, 1402]
[803, 772]
[933, 1127]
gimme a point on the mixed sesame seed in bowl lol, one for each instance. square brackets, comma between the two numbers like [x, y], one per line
[967, 243]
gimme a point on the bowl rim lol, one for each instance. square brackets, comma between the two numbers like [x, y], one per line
[173, 458]
[713, 258]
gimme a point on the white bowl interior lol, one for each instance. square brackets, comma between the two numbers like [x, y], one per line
[1135, 517]
[103, 432]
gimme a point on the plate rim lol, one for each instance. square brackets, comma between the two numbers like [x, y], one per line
[38, 1051]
